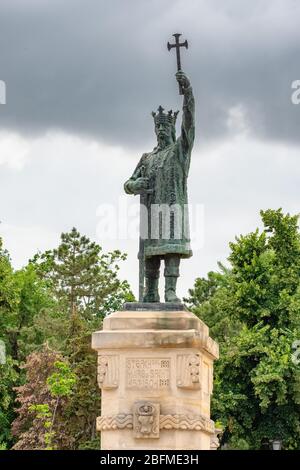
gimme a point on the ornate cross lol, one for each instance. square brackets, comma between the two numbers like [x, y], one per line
[178, 45]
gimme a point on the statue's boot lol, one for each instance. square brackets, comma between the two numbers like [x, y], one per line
[151, 294]
[152, 266]
[171, 275]
[170, 289]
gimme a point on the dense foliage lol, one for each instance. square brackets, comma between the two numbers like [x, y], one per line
[253, 310]
[48, 311]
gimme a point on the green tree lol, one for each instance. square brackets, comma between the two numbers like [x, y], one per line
[84, 404]
[60, 384]
[55, 302]
[84, 278]
[8, 380]
[40, 421]
[33, 300]
[8, 295]
[85, 285]
[253, 309]
[20, 298]
[209, 299]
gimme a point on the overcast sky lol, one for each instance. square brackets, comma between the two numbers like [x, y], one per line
[82, 78]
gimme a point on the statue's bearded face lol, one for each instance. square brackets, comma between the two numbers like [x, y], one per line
[164, 134]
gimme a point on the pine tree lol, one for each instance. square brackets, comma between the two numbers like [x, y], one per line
[84, 279]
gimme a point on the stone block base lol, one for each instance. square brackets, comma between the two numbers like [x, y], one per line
[155, 370]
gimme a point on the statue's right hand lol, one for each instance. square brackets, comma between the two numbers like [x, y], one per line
[140, 184]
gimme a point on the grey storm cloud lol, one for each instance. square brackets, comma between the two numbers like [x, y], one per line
[98, 68]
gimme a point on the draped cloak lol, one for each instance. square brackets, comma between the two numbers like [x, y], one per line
[166, 229]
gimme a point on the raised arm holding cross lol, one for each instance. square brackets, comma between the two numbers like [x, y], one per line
[161, 179]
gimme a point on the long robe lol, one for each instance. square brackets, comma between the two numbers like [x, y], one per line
[167, 224]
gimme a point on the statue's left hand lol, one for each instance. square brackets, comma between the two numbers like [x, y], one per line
[182, 79]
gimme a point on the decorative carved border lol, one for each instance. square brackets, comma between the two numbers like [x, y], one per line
[187, 423]
[167, 422]
[114, 422]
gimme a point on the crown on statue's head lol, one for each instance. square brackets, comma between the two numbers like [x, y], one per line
[162, 118]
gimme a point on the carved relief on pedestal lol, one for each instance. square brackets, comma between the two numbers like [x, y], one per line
[115, 422]
[207, 379]
[146, 420]
[211, 379]
[108, 371]
[187, 423]
[188, 371]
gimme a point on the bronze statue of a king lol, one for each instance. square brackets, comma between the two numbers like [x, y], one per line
[160, 179]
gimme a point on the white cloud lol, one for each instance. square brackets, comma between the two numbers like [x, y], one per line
[22, 242]
[237, 120]
[14, 150]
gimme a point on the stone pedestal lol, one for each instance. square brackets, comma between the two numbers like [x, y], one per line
[155, 370]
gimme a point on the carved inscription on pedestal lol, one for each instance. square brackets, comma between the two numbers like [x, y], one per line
[148, 373]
